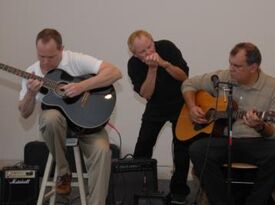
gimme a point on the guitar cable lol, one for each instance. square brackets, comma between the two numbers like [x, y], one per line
[118, 134]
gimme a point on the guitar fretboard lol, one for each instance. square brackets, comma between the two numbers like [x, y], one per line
[50, 84]
[240, 114]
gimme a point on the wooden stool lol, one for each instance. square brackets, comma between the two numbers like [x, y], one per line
[201, 199]
[244, 177]
[70, 142]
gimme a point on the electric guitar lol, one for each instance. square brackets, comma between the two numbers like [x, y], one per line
[86, 112]
[216, 116]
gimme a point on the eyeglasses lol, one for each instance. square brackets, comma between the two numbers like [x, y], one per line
[238, 67]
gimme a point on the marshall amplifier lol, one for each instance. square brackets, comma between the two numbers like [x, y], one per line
[19, 185]
[131, 176]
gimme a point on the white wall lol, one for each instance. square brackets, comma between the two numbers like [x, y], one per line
[205, 31]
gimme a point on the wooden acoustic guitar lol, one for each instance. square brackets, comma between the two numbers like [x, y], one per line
[216, 115]
[85, 113]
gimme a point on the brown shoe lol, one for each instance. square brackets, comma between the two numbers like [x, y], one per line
[63, 184]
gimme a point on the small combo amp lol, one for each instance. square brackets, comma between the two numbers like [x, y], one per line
[19, 185]
[129, 177]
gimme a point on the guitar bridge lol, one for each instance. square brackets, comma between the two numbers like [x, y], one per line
[84, 99]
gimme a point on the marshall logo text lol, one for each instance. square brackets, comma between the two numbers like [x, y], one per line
[20, 181]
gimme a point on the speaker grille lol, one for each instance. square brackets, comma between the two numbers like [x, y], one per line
[130, 177]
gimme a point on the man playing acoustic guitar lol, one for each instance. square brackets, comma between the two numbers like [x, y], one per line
[53, 124]
[254, 94]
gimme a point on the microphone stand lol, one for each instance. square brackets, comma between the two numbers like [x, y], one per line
[230, 110]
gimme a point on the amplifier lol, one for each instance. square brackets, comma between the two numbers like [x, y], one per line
[134, 165]
[131, 176]
[19, 185]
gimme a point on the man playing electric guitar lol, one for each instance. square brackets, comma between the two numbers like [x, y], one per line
[254, 92]
[53, 125]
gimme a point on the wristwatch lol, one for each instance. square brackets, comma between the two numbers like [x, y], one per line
[260, 128]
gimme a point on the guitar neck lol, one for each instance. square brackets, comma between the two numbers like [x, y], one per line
[239, 114]
[49, 84]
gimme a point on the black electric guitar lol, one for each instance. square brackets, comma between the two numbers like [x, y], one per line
[87, 112]
[216, 115]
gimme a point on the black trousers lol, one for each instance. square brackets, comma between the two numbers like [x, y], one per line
[258, 151]
[147, 138]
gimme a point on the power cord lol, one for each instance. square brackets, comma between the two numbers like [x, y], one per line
[118, 134]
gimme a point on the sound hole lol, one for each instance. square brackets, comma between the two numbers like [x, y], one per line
[210, 115]
[59, 90]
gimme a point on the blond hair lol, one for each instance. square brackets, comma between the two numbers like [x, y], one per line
[137, 34]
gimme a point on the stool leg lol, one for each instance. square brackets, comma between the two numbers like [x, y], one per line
[53, 192]
[80, 175]
[45, 179]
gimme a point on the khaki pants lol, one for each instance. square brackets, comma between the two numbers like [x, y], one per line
[95, 148]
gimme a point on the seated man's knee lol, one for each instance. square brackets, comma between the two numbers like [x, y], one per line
[49, 121]
[103, 147]
[196, 149]
[51, 117]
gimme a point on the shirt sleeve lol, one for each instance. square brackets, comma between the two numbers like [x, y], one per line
[82, 64]
[32, 69]
[137, 72]
[203, 82]
[175, 57]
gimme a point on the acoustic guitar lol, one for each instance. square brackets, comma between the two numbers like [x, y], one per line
[87, 112]
[216, 115]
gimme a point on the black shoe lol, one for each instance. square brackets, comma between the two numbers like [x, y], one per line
[178, 199]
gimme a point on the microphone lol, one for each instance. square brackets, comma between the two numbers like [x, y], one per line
[215, 80]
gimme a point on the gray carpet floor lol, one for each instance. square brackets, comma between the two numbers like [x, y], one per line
[163, 186]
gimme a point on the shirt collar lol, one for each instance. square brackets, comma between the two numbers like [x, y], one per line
[64, 60]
